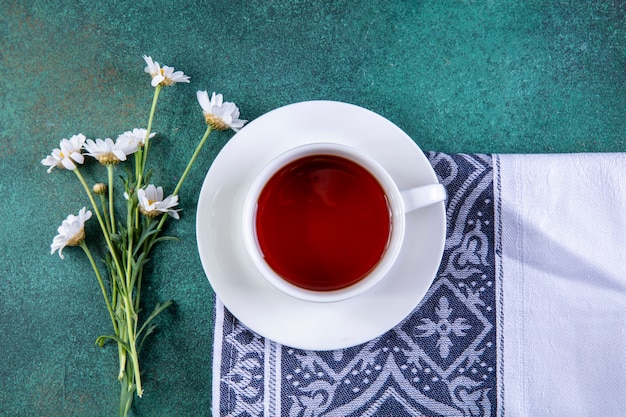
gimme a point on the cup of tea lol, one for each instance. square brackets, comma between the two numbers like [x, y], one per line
[323, 222]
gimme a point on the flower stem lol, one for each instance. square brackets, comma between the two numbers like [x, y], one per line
[193, 159]
[102, 224]
[138, 169]
[120, 349]
[138, 289]
[105, 294]
[126, 396]
[132, 341]
[111, 208]
[131, 377]
[186, 172]
[105, 213]
[143, 156]
[129, 249]
[145, 249]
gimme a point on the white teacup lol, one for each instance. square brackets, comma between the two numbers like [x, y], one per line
[331, 156]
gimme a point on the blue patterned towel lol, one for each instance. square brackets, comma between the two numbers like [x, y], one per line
[496, 318]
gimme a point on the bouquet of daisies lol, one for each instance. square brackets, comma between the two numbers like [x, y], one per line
[129, 236]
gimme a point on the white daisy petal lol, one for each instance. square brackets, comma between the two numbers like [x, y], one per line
[156, 80]
[51, 162]
[68, 164]
[119, 154]
[136, 136]
[179, 77]
[155, 193]
[152, 68]
[203, 99]
[217, 99]
[78, 157]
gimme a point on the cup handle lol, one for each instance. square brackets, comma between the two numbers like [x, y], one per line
[416, 198]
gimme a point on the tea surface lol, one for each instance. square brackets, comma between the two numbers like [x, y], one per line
[323, 222]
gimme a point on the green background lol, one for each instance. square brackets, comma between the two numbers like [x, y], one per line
[489, 76]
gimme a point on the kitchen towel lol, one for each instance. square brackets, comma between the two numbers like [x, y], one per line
[526, 316]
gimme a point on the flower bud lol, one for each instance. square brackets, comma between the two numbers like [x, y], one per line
[100, 188]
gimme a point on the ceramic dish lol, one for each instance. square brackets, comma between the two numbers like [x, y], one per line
[232, 274]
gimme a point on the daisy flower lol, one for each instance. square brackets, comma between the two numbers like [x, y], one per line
[71, 232]
[152, 204]
[136, 135]
[163, 76]
[67, 154]
[218, 114]
[108, 152]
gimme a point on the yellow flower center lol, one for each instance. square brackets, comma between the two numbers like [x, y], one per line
[215, 122]
[108, 158]
[149, 213]
[166, 81]
[77, 238]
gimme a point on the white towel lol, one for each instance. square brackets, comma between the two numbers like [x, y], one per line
[561, 225]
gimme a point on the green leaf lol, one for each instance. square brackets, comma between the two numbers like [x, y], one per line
[148, 231]
[147, 333]
[115, 238]
[147, 176]
[137, 267]
[157, 310]
[100, 341]
[165, 238]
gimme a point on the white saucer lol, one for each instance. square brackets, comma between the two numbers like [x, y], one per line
[236, 281]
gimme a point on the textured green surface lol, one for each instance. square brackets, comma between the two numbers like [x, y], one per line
[458, 76]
